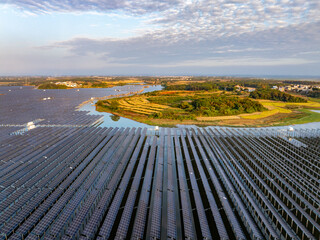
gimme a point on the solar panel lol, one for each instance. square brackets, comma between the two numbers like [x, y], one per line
[60, 181]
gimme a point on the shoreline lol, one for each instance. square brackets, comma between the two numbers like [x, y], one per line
[110, 97]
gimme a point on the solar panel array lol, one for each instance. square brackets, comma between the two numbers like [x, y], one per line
[19, 105]
[188, 183]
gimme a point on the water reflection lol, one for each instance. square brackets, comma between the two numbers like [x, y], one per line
[108, 121]
[111, 120]
[115, 118]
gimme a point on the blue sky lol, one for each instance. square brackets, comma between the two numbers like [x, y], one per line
[160, 37]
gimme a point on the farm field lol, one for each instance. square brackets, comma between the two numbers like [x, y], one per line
[140, 105]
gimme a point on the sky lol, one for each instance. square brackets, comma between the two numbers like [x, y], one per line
[160, 37]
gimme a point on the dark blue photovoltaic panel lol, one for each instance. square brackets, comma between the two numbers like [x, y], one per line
[87, 182]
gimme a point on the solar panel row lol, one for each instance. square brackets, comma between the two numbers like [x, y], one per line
[104, 183]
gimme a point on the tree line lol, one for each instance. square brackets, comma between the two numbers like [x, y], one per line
[276, 95]
[51, 86]
[222, 105]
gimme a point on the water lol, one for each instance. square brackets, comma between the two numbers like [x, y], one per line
[20, 105]
[110, 120]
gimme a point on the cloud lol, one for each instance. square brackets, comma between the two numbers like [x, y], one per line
[235, 62]
[195, 32]
[133, 6]
[280, 44]
[194, 19]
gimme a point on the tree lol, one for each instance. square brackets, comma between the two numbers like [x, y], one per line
[186, 106]
[276, 95]
[114, 105]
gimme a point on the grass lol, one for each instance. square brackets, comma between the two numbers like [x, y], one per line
[284, 110]
[261, 115]
[280, 107]
[309, 116]
[314, 99]
[310, 104]
[217, 118]
[265, 114]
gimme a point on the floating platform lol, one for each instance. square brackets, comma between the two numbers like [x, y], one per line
[188, 183]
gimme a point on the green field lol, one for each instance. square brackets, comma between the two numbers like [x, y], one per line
[309, 116]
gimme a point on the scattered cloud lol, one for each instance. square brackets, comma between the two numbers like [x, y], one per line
[282, 43]
[195, 32]
[235, 62]
[209, 19]
[132, 6]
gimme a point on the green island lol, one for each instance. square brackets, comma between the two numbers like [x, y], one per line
[52, 86]
[84, 82]
[223, 103]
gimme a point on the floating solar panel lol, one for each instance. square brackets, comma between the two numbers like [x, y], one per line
[71, 180]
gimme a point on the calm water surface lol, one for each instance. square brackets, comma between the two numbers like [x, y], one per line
[110, 120]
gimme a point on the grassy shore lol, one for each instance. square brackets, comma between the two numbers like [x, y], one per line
[308, 117]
